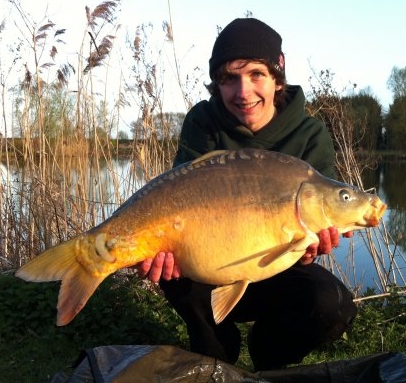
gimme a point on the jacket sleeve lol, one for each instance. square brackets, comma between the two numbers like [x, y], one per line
[196, 138]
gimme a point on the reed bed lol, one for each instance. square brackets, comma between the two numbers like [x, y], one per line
[61, 171]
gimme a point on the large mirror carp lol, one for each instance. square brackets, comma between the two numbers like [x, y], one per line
[230, 218]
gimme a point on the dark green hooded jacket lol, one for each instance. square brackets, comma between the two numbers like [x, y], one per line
[209, 126]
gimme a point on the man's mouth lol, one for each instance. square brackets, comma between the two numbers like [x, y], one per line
[247, 105]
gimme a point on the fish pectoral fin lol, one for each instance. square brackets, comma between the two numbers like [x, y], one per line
[277, 252]
[273, 255]
[224, 298]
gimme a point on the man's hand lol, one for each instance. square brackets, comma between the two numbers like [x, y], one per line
[162, 266]
[329, 238]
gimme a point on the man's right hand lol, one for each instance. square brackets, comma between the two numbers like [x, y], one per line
[162, 266]
[329, 238]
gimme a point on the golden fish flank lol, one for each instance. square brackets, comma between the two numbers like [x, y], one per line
[230, 218]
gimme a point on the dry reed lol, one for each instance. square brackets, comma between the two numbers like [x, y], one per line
[64, 174]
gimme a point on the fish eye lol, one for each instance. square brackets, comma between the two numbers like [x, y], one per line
[345, 195]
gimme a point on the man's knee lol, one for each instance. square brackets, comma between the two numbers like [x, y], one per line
[336, 311]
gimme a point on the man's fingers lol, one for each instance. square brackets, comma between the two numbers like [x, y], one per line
[162, 266]
[144, 267]
[307, 259]
[176, 272]
[325, 242]
[156, 267]
[334, 237]
[312, 249]
[167, 270]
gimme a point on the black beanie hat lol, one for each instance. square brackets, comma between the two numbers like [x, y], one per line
[247, 38]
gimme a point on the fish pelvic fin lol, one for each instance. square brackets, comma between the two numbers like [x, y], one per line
[224, 299]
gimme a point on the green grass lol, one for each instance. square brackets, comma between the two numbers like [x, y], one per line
[124, 311]
[379, 327]
[32, 358]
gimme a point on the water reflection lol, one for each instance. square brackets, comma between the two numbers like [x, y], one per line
[104, 185]
[394, 185]
[390, 181]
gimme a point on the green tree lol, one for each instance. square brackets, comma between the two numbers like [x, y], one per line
[395, 121]
[122, 135]
[366, 114]
[60, 112]
[161, 126]
[397, 82]
[395, 124]
[58, 108]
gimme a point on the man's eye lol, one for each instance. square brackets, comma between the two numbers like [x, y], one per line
[257, 75]
[230, 77]
[227, 79]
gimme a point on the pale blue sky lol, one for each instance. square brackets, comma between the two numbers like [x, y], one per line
[358, 40]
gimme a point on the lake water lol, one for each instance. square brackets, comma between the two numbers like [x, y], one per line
[372, 258]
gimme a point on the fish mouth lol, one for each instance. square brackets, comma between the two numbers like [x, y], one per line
[375, 213]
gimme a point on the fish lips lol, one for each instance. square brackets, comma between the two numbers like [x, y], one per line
[375, 213]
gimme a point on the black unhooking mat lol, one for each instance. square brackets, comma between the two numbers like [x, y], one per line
[167, 364]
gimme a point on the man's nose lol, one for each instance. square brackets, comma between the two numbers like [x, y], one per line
[244, 86]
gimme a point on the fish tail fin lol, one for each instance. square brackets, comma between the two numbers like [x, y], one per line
[51, 265]
[76, 288]
[60, 263]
